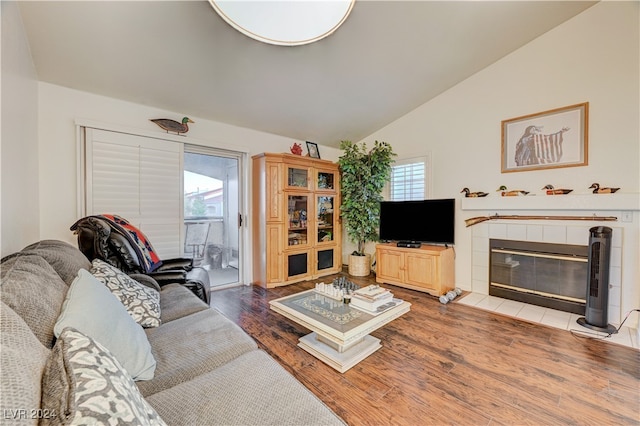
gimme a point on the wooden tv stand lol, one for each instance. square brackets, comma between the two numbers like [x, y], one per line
[428, 268]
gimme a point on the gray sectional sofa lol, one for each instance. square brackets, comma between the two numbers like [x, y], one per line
[207, 369]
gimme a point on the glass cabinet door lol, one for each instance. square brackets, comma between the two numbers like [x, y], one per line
[325, 219]
[298, 208]
[297, 177]
[325, 180]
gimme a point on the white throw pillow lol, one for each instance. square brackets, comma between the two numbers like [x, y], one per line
[90, 308]
[83, 383]
[142, 302]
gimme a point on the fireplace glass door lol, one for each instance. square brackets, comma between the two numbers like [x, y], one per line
[550, 275]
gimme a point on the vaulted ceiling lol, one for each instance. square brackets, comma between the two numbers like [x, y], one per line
[388, 58]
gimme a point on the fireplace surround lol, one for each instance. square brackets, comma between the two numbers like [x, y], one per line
[624, 292]
[543, 274]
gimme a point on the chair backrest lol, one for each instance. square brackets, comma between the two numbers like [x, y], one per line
[196, 236]
[117, 242]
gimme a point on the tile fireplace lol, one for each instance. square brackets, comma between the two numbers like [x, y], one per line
[624, 272]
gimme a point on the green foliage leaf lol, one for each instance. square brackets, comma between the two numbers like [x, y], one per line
[363, 176]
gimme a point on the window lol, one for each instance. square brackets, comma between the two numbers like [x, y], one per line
[409, 179]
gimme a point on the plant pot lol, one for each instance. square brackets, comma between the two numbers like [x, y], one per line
[359, 266]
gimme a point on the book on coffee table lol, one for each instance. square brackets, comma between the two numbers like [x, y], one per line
[375, 309]
[372, 292]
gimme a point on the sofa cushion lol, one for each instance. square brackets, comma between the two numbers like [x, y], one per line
[177, 301]
[21, 366]
[33, 289]
[142, 302]
[253, 389]
[91, 309]
[193, 345]
[65, 258]
[86, 384]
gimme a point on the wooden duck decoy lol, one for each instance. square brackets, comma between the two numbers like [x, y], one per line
[512, 193]
[470, 194]
[597, 189]
[552, 191]
[173, 125]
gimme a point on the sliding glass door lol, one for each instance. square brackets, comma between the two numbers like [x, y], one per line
[140, 178]
[212, 216]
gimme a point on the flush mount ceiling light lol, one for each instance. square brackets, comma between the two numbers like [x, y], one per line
[286, 23]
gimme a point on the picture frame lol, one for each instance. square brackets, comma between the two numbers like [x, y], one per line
[312, 148]
[546, 140]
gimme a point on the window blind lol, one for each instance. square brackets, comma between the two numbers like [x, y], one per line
[138, 178]
[408, 182]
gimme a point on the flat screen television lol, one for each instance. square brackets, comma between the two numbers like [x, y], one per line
[424, 221]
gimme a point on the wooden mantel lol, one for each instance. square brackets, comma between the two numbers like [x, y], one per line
[581, 202]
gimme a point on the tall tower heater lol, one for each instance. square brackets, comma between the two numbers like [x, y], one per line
[595, 315]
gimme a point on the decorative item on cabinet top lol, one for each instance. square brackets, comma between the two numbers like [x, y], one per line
[313, 150]
[296, 149]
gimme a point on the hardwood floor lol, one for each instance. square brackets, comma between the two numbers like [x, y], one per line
[453, 364]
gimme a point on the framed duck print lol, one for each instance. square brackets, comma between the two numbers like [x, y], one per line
[545, 140]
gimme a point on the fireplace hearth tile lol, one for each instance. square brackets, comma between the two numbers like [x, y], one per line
[623, 337]
[531, 313]
[490, 303]
[550, 317]
[557, 319]
[510, 307]
[471, 299]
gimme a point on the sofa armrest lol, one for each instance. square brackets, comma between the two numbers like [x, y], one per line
[180, 263]
[146, 280]
[169, 277]
[196, 280]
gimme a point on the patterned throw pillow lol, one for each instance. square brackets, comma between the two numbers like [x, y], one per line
[142, 302]
[83, 383]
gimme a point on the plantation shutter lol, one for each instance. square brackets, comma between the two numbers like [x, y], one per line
[408, 181]
[138, 178]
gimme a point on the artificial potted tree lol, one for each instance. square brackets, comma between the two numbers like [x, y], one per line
[363, 176]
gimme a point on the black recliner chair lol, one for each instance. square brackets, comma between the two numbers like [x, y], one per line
[104, 238]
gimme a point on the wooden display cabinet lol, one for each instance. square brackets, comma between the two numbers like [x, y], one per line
[429, 268]
[296, 228]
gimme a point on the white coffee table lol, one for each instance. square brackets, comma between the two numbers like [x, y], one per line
[340, 333]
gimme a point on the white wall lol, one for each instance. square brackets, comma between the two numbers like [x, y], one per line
[20, 210]
[60, 107]
[593, 58]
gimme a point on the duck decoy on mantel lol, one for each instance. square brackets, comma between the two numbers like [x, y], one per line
[597, 189]
[173, 125]
[512, 193]
[552, 191]
[470, 194]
